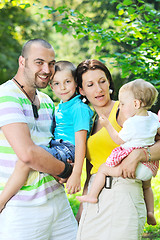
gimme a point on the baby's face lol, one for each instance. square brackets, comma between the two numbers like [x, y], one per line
[127, 104]
[64, 85]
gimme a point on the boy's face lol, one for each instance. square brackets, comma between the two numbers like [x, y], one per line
[64, 85]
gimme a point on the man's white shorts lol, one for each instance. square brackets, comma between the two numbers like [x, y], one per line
[53, 220]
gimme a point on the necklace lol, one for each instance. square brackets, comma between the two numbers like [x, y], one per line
[34, 107]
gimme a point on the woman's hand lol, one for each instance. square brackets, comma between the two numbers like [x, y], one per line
[129, 164]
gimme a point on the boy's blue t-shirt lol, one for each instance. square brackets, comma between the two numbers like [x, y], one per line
[71, 117]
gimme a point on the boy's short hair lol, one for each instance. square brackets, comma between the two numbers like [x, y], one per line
[142, 90]
[66, 65]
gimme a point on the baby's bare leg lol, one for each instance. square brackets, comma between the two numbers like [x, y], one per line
[99, 182]
[149, 200]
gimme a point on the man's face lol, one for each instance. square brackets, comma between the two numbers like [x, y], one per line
[39, 66]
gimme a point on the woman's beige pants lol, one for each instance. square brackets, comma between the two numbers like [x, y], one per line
[120, 213]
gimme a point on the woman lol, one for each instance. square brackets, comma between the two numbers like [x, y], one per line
[120, 212]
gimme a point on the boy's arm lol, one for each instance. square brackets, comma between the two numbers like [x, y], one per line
[112, 132]
[74, 182]
[14, 183]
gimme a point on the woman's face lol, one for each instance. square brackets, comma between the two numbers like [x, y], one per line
[95, 86]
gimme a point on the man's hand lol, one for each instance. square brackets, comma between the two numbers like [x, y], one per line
[63, 180]
[60, 180]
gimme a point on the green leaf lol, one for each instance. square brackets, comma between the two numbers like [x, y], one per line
[98, 48]
[120, 12]
[131, 10]
[119, 6]
[146, 17]
[127, 2]
[58, 28]
[47, 8]
[27, 5]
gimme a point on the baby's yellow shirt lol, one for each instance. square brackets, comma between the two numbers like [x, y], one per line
[100, 144]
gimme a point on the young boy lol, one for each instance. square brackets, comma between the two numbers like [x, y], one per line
[73, 122]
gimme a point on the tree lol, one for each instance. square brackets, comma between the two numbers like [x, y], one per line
[124, 34]
[135, 34]
[16, 26]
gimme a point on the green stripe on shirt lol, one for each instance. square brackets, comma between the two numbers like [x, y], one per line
[7, 150]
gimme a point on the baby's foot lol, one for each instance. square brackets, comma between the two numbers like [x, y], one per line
[151, 219]
[87, 198]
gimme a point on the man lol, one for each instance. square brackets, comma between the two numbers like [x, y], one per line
[40, 210]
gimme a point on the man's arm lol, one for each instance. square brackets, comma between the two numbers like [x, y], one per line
[18, 135]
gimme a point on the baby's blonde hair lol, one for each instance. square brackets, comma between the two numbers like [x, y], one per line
[143, 91]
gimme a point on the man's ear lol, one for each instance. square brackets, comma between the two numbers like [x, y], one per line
[81, 91]
[137, 103]
[21, 61]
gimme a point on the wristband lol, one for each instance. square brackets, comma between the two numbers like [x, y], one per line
[149, 153]
[67, 171]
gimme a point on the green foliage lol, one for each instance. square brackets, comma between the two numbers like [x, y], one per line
[124, 34]
[9, 47]
[154, 231]
[135, 37]
[16, 27]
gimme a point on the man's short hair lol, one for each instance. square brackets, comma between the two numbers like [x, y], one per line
[28, 44]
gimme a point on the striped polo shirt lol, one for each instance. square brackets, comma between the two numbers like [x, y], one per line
[15, 107]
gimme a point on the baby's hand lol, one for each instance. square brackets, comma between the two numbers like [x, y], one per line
[103, 120]
[73, 184]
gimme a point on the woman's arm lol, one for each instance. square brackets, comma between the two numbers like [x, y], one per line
[85, 189]
[129, 164]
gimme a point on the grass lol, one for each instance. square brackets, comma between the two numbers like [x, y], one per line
[154, 231]
[150, 232]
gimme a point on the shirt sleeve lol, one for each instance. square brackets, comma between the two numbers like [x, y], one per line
[11, 109]
[82, 118]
